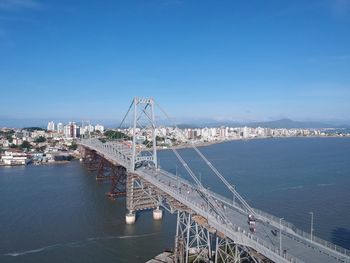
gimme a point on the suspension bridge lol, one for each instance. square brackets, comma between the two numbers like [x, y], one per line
[210, 227]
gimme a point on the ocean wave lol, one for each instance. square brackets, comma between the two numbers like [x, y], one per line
[325, 184]
[21, 253]
[298, 187]
[74, 244]
[293, 187]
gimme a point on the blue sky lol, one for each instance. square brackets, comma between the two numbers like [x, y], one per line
[224, 60]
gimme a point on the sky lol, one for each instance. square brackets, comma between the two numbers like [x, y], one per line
[247, 60]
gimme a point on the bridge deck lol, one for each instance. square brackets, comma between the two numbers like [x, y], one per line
[295, 247]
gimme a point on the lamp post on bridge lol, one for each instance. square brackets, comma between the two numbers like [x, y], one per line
[312, 225]
[234, 196]
[281, 235]
[208, 206]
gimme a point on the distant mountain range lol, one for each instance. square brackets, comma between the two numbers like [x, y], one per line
[192, 123]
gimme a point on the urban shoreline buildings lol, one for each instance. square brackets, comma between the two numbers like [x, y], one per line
[58, 142]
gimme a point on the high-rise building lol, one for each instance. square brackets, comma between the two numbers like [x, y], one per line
[245, 132]
[51, 126]
[90, 128]
[60, 128]
[99, 127]
[67, 131]
[76, 131]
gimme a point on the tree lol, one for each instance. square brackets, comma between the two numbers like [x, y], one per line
[40, 149]
[158, 138]
[25, 145]
[8, 133]
[73, 146]
[116, 135]
[9, 138]
[31, 129]
[40, 139]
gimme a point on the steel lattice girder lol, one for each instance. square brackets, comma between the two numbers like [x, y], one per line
[195, 241]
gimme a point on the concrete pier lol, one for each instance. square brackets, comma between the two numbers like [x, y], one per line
[130, 218]
[157, 214]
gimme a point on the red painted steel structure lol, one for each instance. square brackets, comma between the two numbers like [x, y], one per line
[106, 172]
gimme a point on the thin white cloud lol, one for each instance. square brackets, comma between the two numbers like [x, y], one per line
[329, 59]
[9, 12]
[325, 90]
[10, 5]
[344, 57]
[341, 7]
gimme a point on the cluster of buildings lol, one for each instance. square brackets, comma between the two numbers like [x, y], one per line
[73, 130]
[58, 142]
[170, 136]
[36, 145]
[224, 133]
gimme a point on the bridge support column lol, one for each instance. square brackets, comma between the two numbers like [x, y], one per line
[140, 195]
[118, 182]
[193, 241]
[130, 218]
[228, 251]
[196, 241]
[157, 214]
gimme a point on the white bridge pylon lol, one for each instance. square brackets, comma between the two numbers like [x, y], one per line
[143, 121]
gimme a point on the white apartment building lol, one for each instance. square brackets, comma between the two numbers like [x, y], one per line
[51, 126]
[71, 130]
[60, 128]
[99, 127]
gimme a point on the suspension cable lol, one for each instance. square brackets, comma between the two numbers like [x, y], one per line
[203, 192]
[122, 122]
[223, 179]
[216, 172]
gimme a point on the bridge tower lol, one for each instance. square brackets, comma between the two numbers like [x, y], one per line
[210, 227]
[143, 121]
[144, 152]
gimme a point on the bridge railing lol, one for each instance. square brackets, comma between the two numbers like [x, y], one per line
[270, 217]
[298, 232]
[304, 234]
[120, 152]
[212, 218]
[115, 150]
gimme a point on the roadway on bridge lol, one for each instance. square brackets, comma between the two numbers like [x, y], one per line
[297, 248]
[301, 249]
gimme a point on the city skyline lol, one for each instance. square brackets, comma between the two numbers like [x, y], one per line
[231, 61]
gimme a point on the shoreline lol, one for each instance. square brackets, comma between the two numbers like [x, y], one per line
[204, 144]
[189, 145]
[39, 164]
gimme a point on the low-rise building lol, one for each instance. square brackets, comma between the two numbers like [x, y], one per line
[14, 158]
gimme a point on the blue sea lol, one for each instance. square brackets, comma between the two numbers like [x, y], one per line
[59, 213]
